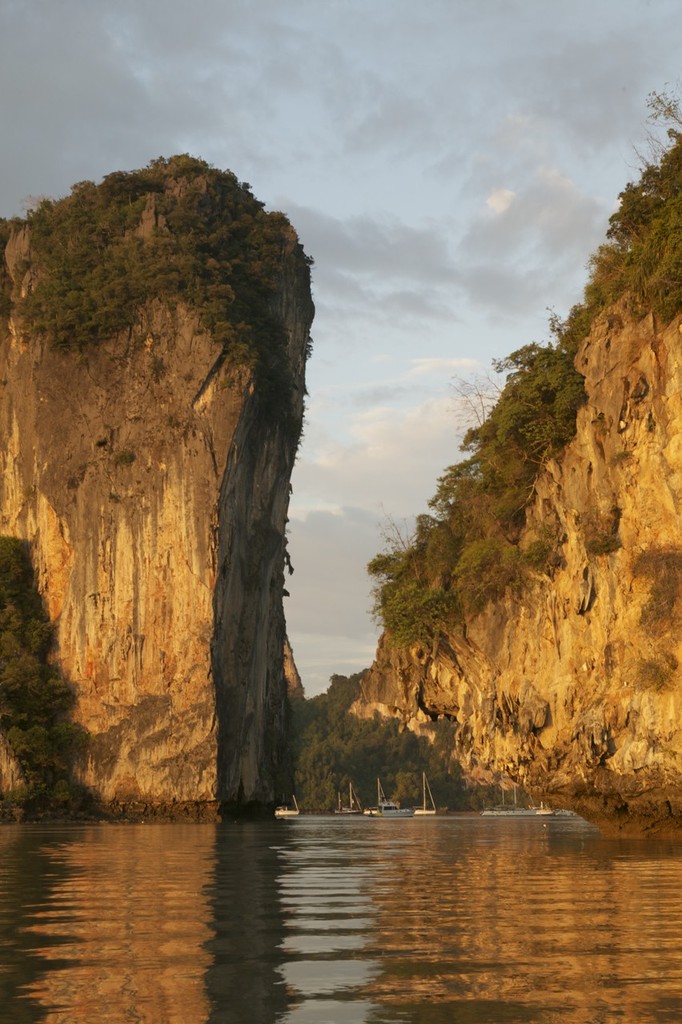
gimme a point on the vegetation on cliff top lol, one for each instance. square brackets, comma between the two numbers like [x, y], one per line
[34, 698]
[466, 552]
[178, 230]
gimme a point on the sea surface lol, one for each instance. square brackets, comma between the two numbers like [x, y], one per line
[456, 919]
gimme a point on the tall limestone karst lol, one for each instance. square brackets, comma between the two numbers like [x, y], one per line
[153, 344]
[538, 607]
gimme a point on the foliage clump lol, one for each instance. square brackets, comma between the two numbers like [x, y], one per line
[179, 231]
[601, 532]
[656, 673]
[662, 567]
[640, 263]
[332, 749]
[34, 698]
[466, 552]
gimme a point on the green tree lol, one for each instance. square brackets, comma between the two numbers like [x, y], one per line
[34, 699]
[176, 231]
[332, 748]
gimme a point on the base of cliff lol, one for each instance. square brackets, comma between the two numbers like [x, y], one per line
[627, 809]
[132, 811]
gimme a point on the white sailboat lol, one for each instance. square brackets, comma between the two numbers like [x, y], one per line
[426, 788]
[284, 811]
[505, 811]
[353, 803]
[387, 808]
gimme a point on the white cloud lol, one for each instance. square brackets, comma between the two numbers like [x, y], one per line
[500, 200]
[343, 495]
[390, 460]
[441, 366]
[329, 608]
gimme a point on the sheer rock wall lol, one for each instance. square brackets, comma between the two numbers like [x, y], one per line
[574, 687]
[153, 489]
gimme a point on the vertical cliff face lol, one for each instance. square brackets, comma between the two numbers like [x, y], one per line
[150, 475]
[574, 685]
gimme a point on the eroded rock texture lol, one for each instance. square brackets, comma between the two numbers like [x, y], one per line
[153, 485]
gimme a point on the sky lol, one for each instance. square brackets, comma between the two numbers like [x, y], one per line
[450, 165]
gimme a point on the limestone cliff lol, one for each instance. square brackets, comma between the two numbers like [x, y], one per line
[573, 687]
[150, 473]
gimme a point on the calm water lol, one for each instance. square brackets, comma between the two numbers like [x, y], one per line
[452, 919]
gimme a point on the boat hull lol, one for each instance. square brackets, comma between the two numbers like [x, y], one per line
[388, 808]
[517, 812]
[390, 812]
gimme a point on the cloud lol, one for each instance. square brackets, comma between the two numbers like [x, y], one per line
[390, 457]
[500, 200]
[330, 593]
[442, 366]
[380, 246]
[343, 496]
[533, 247]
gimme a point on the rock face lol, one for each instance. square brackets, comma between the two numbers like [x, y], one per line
[154, 491]
[574, 687]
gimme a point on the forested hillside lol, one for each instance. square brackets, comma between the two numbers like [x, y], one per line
[332, 748]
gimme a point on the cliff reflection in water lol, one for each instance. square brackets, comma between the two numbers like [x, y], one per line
[362, 921]
[155, 924]
[479, 921]
[523, 921]
[243, 983]
[126, 908]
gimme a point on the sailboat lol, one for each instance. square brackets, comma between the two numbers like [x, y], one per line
[505, 811]
[426, 788]
[284, 811]
[387, 808]
[353, 803]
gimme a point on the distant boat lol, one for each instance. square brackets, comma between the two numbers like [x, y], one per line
[284, 811]
[508, 812]
[426, 788]
[387, 808]
[353, 803]
[513, 811]
[542, 810]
